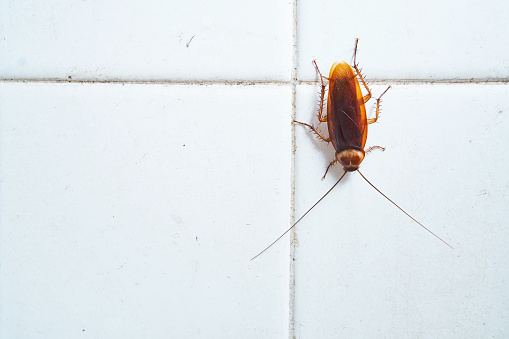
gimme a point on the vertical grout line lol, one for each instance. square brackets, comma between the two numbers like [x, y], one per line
[291, 292]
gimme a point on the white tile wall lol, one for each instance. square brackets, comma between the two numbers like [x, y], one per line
[146, 40]
[429, 40]
[133, 210]
[131, 203]
[363, 268]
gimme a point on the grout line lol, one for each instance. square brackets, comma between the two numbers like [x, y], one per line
[292, 82]
[293, 235]
[420, 82]
[156, 82]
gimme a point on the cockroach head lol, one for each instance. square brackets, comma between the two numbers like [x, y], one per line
[350, 159]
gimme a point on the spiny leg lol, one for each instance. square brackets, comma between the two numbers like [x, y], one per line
[367, 96]
[314, 130]
[320, 112]
[373, 147]
[327, 170]
[370, 121]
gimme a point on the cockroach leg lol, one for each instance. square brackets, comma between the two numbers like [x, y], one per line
[367, 96]
[320, 73]
[373, 147]
[355, 51]
[370, 121]
[320, 112]
[327, 170]
[314, 130]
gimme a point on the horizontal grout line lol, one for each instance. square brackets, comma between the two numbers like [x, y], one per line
[426, 82]
[155, 82]
[257, 82]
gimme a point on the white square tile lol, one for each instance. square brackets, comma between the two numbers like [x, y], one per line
[146, 40]
[132, 211]
[363, 268]
[407, 40]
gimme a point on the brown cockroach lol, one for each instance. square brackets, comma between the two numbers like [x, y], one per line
[347, 124]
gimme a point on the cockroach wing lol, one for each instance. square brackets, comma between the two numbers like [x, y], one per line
[346, 114]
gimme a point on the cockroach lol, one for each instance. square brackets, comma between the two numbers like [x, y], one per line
[347, 124]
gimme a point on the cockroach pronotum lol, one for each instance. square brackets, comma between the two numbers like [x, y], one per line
[347, 124]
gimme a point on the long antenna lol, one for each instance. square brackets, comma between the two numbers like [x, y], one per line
[403, 210]
[288, 230]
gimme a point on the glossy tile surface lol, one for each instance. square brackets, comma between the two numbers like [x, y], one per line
[150, 40]
[124, 215]
[363, 268]
[429, 40]
[133, 197]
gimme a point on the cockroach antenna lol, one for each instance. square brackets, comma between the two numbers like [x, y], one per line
[402, 210]
[309, 210]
